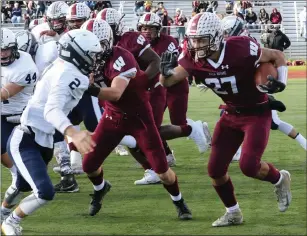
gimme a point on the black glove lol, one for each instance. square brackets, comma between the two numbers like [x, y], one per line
[272, 86]
[168, 63]
[276, 105]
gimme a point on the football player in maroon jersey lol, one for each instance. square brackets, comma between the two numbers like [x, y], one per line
[228, 68]
[127, 111]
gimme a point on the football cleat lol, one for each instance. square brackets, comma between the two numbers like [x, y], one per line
[97, 198]
[283, 191]
[150, 177]
[67, 185]
[4, 215]
[171, 160]
[121, 150]
[207, 134]
[234, 218]
[198, 135]
[183, 211]
[76, 169]
[10, 228]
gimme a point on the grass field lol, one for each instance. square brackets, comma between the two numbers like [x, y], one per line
[147, 210]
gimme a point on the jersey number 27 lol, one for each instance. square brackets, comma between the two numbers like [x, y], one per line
[217, 84]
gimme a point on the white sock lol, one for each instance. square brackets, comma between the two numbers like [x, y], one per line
[128, 141]
[14, 218]
[14, 175]
[301, 140]
[99, 187]
[232, 209]
[75, 158]
[176, 198]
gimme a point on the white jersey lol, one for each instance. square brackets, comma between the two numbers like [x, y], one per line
[46, 54]
[22, 72]
[56, 94]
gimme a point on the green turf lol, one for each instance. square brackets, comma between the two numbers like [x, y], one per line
[297, 68]
[133, 210]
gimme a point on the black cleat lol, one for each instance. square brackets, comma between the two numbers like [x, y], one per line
[183, 211]
[97, 198]
[67, 185]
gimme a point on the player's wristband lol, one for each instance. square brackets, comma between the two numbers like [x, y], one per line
[282, 74]
[93, 91]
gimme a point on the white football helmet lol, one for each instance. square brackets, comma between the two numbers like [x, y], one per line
[8, 41]
[56, 16]
[154, 24]
[77, 14]
[232, 26]
[36, 22]
[81, 48]
[26, 42]
[204, 29]
[113, 18]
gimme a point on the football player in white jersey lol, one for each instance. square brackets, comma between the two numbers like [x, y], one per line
[18, 78]
[31, 143]
[26, 42]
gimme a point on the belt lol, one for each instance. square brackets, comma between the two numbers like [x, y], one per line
[261, 108]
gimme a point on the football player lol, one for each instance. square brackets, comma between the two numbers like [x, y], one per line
[31, 143]
[18, 78]
[228, 68]
[127, 111]
[26, 42]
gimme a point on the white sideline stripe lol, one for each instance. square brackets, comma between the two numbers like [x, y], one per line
[96, 108]
[14, 149]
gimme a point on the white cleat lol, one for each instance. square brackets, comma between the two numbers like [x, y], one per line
[283, 191]
[76, 169]
[57, 169]
[150, 177]
[207, 133]
[121, 151]
[171, 160]
[9, 228]
[234, 218]
[237, 156]
[198, 135]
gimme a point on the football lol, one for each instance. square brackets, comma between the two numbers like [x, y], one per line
[262, 72]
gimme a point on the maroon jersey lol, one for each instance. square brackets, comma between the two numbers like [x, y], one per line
[134, 42]
[232, 77]
[123, 63]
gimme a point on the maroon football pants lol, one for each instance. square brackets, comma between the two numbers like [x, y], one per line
[177, 102]
[157, 99]
[114, 125]
[233, 129]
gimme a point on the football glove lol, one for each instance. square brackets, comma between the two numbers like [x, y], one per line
[276, 105]
[168, 63]
[272, 86]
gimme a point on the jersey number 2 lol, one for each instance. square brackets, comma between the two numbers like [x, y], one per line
[218, 84]
[74, 84]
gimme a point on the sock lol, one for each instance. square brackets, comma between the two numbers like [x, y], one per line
[5, 210]
[97, 180]
[226, 194]
[301, 140]
[233, 208]
[176, 198]
[13, 171]
[75, 158]
[186, 130]
[167, 150]
[128, 141]
[100, 186]
[279, 181]
[146, 165]
[14, 218]
[273, 175]
[173, 189]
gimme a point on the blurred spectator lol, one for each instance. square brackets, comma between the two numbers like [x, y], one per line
[161, 9]
[139, 7]
[180, 19]
[229, 6]
[41, 7]
[91, 4]
[6, 13]
[212, 6]
[16, 13]
[237, 13]
[148, 6]
[278, 40]
[251, 18]
[30, 14]
[303, 24]
[245, 6]
[166, 21]
[99, 5]
[275, 17]
[263, 18]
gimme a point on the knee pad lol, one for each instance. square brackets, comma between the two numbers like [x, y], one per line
[285, 127]
[12, 196]
[31, 203]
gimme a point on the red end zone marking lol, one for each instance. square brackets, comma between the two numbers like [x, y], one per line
[297, 74]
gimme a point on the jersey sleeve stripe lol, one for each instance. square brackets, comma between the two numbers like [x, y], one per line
[143, 50]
